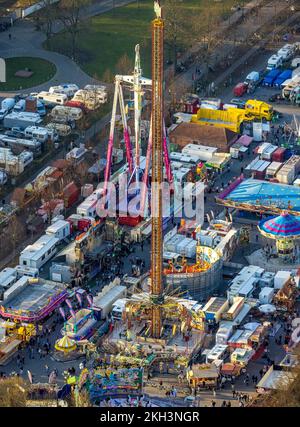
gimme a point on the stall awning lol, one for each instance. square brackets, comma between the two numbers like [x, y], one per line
[245, 140]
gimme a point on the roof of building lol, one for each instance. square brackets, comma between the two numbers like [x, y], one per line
[284, 225]
[254, 192]
[204, 133]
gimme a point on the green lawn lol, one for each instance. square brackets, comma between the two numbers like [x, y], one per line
[108, 36]
[42, 72]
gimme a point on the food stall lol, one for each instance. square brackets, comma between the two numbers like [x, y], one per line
[231, 370]
[203, 375]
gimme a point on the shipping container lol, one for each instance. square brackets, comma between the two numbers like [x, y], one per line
[273, 169]
[266, 295]
[278, 155]
[70, 194]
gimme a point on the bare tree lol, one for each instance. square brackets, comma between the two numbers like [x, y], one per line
[176, 27]
[108, 76]
[47, 16]
[69, 13]
[124, 65]
[205, 33]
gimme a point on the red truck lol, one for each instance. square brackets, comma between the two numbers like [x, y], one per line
[240, 89]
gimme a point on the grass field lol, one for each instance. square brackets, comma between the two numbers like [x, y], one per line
[42, 72]
[108, 36]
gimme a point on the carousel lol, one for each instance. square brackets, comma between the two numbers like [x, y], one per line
[284, 229]
[65, 345]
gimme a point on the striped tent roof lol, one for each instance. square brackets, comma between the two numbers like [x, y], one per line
[284, 225]
[65, 344]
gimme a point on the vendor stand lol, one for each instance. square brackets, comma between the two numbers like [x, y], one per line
[229, 370]
[203, 376]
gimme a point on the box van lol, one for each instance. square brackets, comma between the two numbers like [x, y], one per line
[8, 104]
[52, 98]
[118, 309]
[70, 113]
[275, 61]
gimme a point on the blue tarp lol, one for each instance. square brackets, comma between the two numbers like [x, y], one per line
[256, 192]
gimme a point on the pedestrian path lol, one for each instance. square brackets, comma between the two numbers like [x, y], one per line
[27, 41]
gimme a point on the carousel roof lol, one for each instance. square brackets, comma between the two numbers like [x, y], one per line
[65, 344]
[284, 225]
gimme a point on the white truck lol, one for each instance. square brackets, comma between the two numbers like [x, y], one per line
[275, 61]
[224, 332]
[118, 309]
[106, 299]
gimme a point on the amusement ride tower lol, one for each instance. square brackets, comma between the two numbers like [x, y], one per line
[157, 173]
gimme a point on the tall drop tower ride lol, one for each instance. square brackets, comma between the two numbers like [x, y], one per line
[157, 172]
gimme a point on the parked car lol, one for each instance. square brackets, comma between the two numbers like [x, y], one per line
[238, 102]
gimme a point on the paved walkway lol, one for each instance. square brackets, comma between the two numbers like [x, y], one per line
[26, 41]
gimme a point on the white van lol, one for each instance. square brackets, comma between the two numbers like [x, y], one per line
[70, 113]
[275, 61]
[52, 98]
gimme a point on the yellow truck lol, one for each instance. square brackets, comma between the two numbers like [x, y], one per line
[258, 110]
[232, 118]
